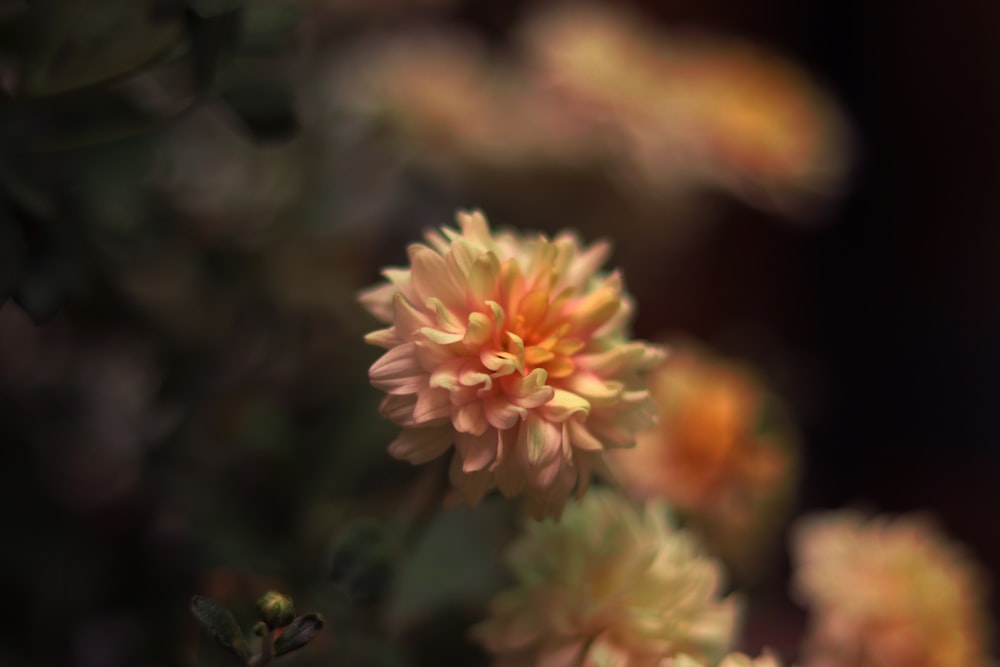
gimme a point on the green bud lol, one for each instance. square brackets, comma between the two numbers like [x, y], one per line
[275, 609]
[221, 625]
[260, 628]
[300, 632]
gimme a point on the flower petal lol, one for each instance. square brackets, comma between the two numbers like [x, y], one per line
[397, 371]
[420, 445]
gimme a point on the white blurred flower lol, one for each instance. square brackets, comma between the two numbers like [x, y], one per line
[608, 586]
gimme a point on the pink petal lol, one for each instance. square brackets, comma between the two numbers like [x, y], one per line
[586, 264]
[377, 300]
[538, 440]
[397, 371]
[595, 308]
[583, 438]
[469, 418]
[431, 404]
[477, 451]
[385, 338]
[407, 318]
[471, 485]
[501, 413]
[420, 445]
[483, 278]
[432, 278]
[565, 404]
[398, 409]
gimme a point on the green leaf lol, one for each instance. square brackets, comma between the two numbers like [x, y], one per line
[301, 631]
[210, 8]
[221, 625]
[70, 45]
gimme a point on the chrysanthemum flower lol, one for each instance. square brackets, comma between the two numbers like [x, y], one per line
[887, 593]
[608, 586]
[690, 110]
[513, 351]
[731, 660]
[722, 453]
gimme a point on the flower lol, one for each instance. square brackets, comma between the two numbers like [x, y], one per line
[887, 593]
[743, 660]
[689, 110]
[514, 352]
[721, 452]
[608, 586]
[731, 660]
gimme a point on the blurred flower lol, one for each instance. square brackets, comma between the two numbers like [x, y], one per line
[743, 660]
[454, 107]
[731, 660]
[686, 110]
[887, 593]
[515, 351]
[608, 586]
[721, 452]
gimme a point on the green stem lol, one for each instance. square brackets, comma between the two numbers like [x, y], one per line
[266, 654]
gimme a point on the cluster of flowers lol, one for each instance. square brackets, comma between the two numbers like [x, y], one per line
[511, 355]
[598, 86]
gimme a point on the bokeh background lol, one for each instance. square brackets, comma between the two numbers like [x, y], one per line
[194, 193]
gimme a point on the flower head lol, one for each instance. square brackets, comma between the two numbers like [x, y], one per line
[608, 586]
[887, 593]
[513, 351]
[722, 453]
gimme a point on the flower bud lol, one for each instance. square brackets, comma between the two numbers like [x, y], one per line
[275, 609]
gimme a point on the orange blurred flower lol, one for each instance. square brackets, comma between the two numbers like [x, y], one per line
[713, 453]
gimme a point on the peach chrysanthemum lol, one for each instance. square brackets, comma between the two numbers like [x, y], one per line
[608, 586]
[722, 453]
[731, 660]
[514, 351]
[887, 593]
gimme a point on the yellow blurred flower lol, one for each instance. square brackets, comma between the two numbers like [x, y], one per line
[514, 351]
[743, 660]
[712, 454]
[608, 586]
[687, 109]
[887, 593]
[731, 660]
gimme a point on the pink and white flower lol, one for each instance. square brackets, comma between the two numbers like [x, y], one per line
[514, 353]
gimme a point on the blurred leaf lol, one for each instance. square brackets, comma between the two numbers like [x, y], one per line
[361, 562]
[214, 39]
[12, 251]
[69, 45]
[90, 120]
[24, 194]
[210, 8]
[265, 108]
[269, 26]
[40, 292]
[301, 631]
[221, 625]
